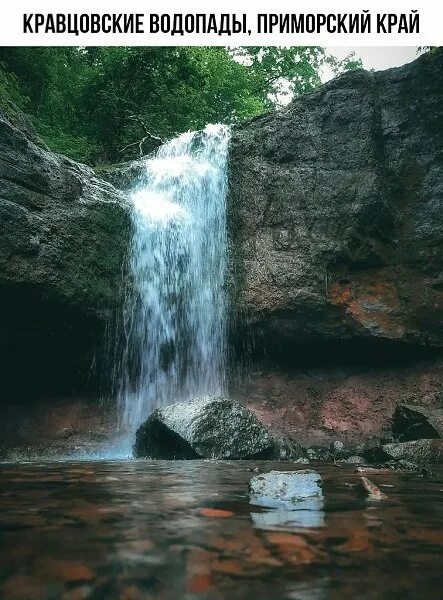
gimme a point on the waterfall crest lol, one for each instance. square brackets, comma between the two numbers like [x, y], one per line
[175, 307]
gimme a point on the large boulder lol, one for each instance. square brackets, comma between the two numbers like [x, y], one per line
[64, 235]
[206, 427]
[421, 452]
[412, 422]
[336, 214]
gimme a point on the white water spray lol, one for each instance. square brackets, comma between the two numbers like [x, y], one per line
[175, 307]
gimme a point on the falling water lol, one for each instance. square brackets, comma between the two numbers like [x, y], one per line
[174, 314]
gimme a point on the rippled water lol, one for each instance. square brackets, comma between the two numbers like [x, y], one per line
[174, 317]
[134, 530]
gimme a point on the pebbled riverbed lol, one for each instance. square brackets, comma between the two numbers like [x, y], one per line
[132, 530]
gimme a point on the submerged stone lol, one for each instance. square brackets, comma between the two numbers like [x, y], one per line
[206, 427]
[285, 486]
[371, 490]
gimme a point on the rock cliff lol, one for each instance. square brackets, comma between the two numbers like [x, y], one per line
[336, 211]
[63, 239]
[336, 228]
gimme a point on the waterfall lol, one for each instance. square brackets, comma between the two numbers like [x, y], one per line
[175, 306]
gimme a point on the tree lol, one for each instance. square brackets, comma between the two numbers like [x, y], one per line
[108, 104]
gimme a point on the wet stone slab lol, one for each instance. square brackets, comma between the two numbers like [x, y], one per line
[139, 529]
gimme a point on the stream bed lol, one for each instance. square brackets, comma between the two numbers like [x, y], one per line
[132, 530]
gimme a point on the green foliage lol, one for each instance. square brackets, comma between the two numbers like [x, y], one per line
[98, 104]
[10, 89]
[279, 72]
[78, 147]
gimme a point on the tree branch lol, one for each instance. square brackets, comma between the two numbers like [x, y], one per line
[148, 136]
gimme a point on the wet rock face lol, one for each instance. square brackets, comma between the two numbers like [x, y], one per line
[62, 243]
[208, 427]
[55, 427]
[335, 211]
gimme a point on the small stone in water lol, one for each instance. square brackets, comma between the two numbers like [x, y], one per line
[287, 486]
[254, 469]
[372, 490]
[216, 513]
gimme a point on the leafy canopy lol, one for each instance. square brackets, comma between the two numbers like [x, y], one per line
[97, 104]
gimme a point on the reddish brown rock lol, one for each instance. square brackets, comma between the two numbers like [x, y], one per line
[352, 403]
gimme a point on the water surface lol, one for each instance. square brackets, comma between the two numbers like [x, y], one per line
[139, 529]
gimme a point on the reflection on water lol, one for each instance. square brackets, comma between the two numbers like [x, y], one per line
[286, 515]
[133, 530]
